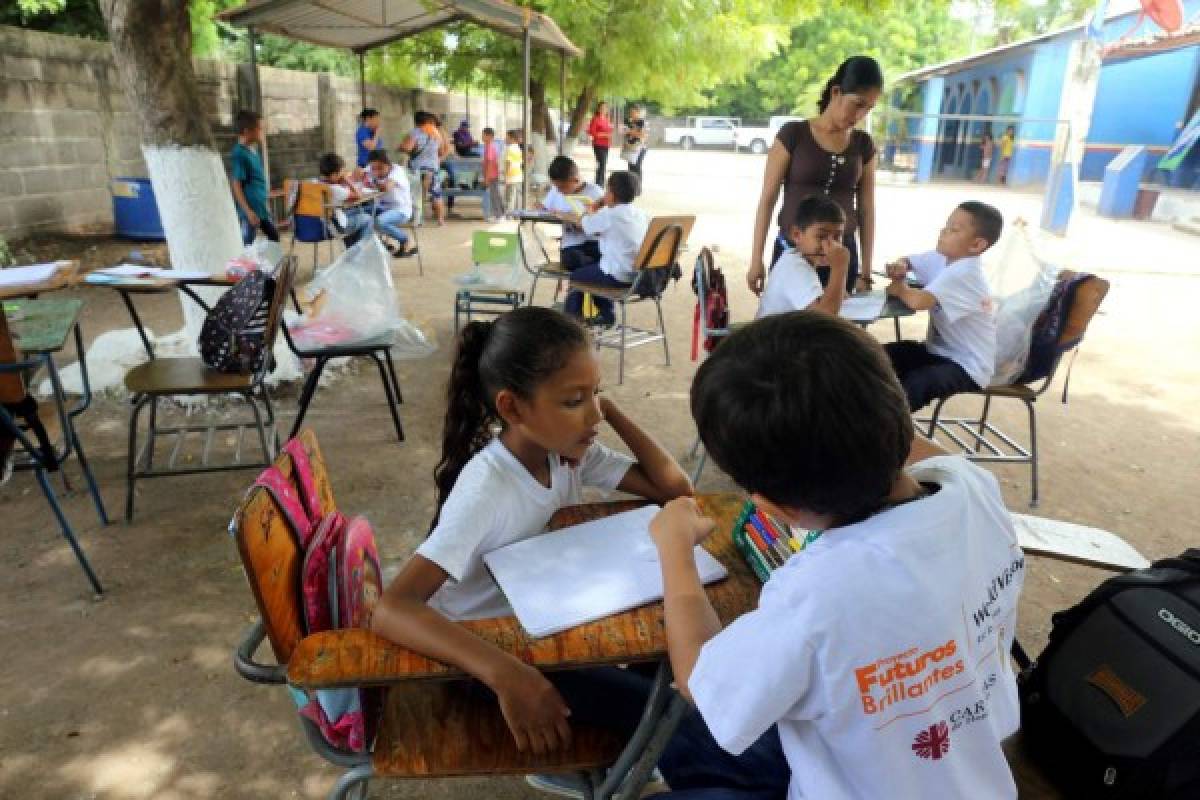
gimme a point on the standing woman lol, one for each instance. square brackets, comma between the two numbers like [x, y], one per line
[599, 130]
[634, 149]
[825, 154]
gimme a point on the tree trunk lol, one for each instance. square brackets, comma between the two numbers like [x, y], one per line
[538, 111]
[152, 45]
[579, 113]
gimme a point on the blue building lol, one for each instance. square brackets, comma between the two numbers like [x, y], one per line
[1149, 88]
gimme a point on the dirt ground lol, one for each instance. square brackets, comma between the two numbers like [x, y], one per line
[133, 695]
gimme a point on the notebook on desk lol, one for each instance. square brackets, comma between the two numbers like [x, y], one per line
[586, 572]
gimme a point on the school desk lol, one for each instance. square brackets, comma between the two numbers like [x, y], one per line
[127, 286]
[535, 255]
[12, 388]
[357, 657]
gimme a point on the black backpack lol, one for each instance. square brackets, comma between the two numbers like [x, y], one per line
[1111, 708]
[232, 338]
[1045, 347]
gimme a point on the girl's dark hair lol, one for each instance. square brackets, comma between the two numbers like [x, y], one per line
[854, 75]
[818, 208]
[805, 409]
[518, 352]
[624, 185]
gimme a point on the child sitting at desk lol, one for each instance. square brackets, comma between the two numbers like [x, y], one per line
[576, 248]
[533, 376]
[620, 229]
[876, 664]
[794, 284]
[355, 221]
[394, 206]
[959, 352]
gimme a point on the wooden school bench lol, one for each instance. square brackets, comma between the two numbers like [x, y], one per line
[435, 722]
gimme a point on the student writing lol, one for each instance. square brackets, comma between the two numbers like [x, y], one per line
[794, 284]
[876, 664]
[533, 375]
[959, 352]
[576, 248]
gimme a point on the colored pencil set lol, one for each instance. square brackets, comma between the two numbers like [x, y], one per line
[765, 542]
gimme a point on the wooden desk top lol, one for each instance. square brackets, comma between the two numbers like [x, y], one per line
[62, 279]
[153, 284]
[358, 657]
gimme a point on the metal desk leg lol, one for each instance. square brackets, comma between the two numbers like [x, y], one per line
[72, 436]
[137, 322]
[664, 709]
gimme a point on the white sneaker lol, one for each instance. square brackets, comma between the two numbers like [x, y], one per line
[567, 785]
[6, 467]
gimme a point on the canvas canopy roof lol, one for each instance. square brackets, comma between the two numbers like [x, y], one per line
[361, 25]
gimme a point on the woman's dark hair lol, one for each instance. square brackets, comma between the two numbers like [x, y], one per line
[562, 168]
[330, 163]
[854, 75]
[379, 155]
[624, 185]
[517, 351]
[805, 409]
[818, 208]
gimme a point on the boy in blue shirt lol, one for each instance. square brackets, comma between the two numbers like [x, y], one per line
[249, 181]
[367, 137]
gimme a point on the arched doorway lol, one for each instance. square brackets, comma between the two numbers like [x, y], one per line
[962, 147]
[949, 136]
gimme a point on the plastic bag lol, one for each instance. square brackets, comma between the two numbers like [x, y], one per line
[358, 301]
[1021, 284]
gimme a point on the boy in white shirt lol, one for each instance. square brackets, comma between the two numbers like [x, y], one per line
[620, 229]
[576, 248]
[794, 284]
[876, 664]
[394, 206]
[959, 352]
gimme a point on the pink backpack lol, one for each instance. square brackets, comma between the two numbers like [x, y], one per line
[340, 582]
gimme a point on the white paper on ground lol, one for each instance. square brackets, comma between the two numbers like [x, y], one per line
[580, 574]
[1051, 537]
[30, 275]
[863, 307]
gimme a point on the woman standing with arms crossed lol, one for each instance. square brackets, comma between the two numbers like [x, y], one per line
[599, 130]
[825, 154]
[634, 151]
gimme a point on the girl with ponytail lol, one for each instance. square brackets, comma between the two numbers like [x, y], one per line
[522, 416]
[825, 155]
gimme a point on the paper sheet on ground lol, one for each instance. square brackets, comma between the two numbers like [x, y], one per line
[864, 307]
[140, 271]
[1051, 537]
[583, 573]
[31, 275]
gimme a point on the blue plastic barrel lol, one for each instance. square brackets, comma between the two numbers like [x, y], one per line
[135, 212]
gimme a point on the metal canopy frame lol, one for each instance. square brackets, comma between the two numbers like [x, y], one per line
[362, 25]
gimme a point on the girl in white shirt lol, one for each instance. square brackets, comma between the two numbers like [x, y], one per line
[519, 443]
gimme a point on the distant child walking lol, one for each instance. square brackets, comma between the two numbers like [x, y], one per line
[248, 179]
[514, 173]
[959, 352]
[986, 147]
[1007, 143]
[493, 200]
[523, 413]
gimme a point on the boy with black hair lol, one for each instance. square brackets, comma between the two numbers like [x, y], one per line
[354, 220]
[795, 283]
[876, 664]
[619, 227]
[394, 206]
[248, 179]
[576, 248]
[959, 351]
[367, 137]
[491, 158]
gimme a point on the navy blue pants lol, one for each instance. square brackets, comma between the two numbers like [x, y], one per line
[590, 272]
[925, 376]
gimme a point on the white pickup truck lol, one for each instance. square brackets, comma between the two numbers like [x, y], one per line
[709, 131]
[758, 140]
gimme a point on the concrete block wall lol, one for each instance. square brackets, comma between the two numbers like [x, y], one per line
[67, 129]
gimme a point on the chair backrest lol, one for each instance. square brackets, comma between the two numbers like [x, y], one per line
[271, 557]
[1088, 296]
[665, 238]
[495, 248]
[705, 263]
[285, 275]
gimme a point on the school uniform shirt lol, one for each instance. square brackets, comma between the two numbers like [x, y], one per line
[962, 326]
[399, 196]
[512, 164]
[496, 501]
[881, 651]
[557, 201]
[792, 286]
[620, 230]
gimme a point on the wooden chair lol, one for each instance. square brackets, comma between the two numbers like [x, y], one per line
[1003, 448]
[427, 729]
[665, 238]
[167, 377]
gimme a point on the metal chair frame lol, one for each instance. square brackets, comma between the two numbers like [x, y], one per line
[546, 268]
[490, 299]
[140, 461]
[705, 332]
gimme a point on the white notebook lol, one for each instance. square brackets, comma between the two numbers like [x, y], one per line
[864, 307]
[580, 574]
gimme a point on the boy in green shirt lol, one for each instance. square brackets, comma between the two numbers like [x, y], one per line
[248, 179]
